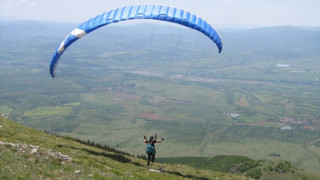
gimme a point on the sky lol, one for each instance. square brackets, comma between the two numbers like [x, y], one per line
[216, 12]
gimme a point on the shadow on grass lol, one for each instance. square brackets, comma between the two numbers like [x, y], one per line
[185, 175]
[123, 159]
[116, 157]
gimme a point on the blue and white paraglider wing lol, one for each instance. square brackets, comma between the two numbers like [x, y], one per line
[156, 12]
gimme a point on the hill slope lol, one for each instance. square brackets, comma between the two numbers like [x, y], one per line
[262, 169]
[32, 154]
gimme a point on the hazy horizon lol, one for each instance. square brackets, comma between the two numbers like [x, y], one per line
[239, 13]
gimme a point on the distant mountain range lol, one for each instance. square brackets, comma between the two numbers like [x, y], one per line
[264, 38]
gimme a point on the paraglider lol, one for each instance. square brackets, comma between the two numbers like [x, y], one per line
[155, 12]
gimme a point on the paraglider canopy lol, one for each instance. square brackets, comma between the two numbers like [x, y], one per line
[155, 12]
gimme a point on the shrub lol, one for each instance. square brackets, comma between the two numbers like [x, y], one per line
[254, 173]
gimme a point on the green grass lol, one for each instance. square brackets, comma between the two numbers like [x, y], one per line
[6, 110]
[43, 112]
[221, 163]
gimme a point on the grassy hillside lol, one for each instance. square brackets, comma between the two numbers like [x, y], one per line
[262, 169]
[32, 154]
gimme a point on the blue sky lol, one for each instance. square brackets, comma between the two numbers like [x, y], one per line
[216, 12]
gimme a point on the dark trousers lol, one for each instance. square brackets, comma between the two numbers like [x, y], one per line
[151, 157]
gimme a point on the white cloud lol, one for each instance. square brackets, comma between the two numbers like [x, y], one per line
[27, 3]
[34, 4]
[6, 4]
